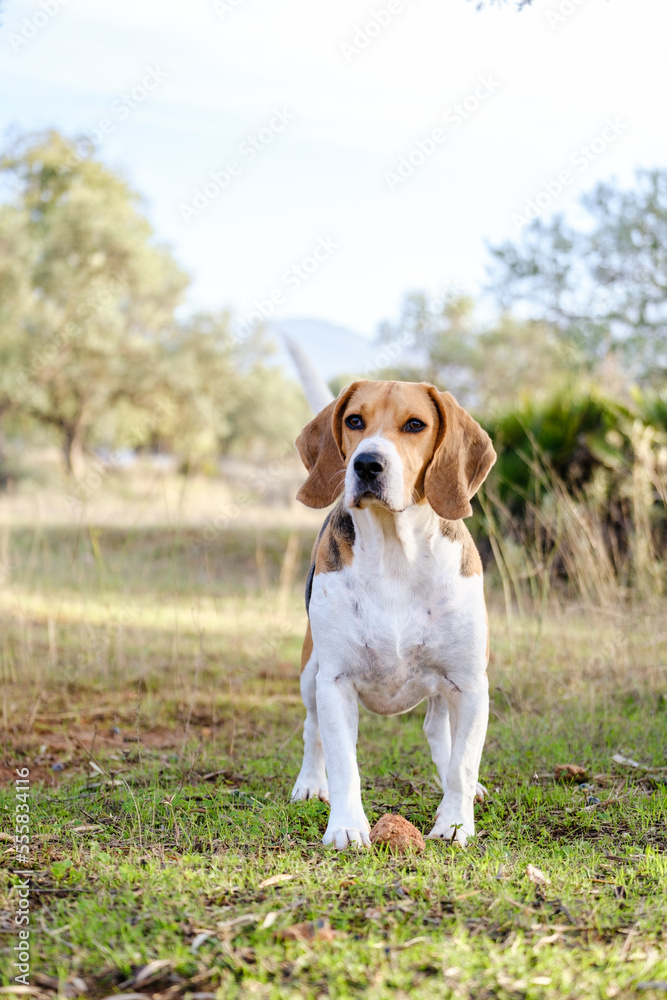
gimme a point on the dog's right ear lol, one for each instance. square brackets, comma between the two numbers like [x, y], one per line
[319, 447]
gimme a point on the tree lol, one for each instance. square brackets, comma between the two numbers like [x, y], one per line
[211, 393]
[90, 344]
[602, 285]
[433, 341]
[89, 293]
[486, 367]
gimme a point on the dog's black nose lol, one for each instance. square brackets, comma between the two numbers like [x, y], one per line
[368, 466]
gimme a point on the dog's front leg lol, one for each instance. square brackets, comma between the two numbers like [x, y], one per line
[312, 780]
[338, 715]
[469, 716]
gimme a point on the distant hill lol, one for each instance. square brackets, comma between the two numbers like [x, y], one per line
[333, 350]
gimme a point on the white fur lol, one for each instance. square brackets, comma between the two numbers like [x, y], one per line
[398, 625]
[393, 476]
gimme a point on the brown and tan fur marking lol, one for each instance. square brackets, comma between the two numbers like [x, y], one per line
[334, 548]
[456, 531]
[385, 407]
[307, 649]
[444, 465]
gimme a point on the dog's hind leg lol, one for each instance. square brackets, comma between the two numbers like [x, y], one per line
[469, 713]
[438, 733]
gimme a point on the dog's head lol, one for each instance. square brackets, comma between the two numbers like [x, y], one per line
[395, 444]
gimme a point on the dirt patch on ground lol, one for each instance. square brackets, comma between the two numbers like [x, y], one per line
[72, 738]
[39, 773]
[49, 752]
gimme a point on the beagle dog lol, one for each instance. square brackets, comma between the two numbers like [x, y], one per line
[394, 596]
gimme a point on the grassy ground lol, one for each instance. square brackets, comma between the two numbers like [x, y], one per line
[150, 685]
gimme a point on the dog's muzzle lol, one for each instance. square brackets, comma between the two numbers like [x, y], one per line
[368, 469]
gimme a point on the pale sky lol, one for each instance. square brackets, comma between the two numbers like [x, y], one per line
[317, 129]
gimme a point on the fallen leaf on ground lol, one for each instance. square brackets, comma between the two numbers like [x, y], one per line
[399, 947]
[199, 941]
[274, 880]
[227, 925]
[311, 930]
[570, 772]
[537, 876]
[19, 991]
[149, 972]
[548, 939]
[50, 982]
[397, 835]
[618, 758]
[126, 996]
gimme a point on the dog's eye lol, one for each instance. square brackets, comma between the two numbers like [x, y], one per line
[414, 426]
[355, 422]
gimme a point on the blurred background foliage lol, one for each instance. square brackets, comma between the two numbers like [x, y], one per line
[93, 350]
[567, 371]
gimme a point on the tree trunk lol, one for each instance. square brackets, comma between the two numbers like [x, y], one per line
[73, 452]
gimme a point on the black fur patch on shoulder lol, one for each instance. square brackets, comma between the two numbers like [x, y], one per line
[309, 587]
[342, 530]
[311, 572]
[343, 525]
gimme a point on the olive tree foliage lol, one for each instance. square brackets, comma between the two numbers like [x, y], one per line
[92, 347]
[602, 284]
[486, 366]
[214, 393]
[88, 293]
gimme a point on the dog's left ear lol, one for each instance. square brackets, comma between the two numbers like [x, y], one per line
[461, 460]
[319, 445]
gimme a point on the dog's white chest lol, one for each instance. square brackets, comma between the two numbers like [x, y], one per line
[395, 635]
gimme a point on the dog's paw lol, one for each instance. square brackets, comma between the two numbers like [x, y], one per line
[480, 792]
[450, 833]
[342, 835]
[310, 787]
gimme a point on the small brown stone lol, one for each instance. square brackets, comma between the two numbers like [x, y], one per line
[397, 835]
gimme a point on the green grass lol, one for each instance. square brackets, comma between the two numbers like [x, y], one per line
[162, 682]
